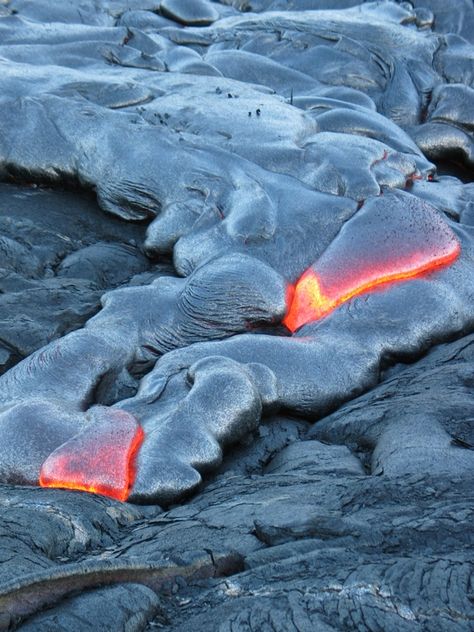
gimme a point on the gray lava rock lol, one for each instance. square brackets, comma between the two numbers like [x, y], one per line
[190, 13]
[129, 608]
[323, 468]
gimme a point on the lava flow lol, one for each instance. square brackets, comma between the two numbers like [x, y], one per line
[377, 246]
[100, 459]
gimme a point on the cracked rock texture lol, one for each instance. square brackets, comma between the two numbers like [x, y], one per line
[168, 168]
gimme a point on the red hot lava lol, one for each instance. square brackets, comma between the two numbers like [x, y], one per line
[371, 250]
[390, 242]
[100, 459]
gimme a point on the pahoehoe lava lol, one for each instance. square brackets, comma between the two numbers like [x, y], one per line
[236, 292]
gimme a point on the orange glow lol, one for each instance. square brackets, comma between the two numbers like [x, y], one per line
[367, 255]
[100, 459]
[310, 303]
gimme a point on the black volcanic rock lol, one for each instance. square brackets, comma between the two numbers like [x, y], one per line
[48, 283]
[236, 290]
[322, 540]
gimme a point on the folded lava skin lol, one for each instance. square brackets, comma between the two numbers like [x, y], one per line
[285, 159]
[236, 315]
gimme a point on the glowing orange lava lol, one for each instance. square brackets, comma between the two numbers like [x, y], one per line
[367, 254]
[100, 459]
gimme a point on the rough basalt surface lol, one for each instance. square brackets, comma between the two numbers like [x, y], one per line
[236, 291]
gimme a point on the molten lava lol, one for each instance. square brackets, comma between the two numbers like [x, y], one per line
[100, 459]
[375, 247]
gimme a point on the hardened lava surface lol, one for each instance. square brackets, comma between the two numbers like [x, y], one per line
[236, 315]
